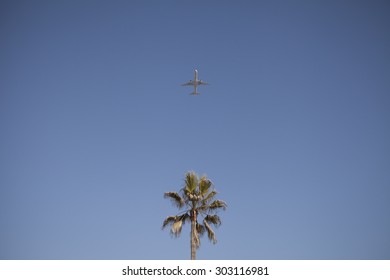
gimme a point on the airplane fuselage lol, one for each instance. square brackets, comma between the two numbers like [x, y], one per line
[196, 77]
[195, 82]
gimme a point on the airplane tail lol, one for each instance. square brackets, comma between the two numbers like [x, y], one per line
[195, 93]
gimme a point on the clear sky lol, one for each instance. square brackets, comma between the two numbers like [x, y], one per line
[294, 128]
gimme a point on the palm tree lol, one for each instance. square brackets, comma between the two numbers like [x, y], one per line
[197, 197]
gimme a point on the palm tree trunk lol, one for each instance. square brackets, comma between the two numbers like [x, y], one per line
[193, 235]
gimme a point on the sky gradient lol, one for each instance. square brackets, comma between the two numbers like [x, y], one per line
[293, 129]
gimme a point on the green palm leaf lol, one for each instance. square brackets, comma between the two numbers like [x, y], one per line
[209, 197]
[191, 182]
[204, 185]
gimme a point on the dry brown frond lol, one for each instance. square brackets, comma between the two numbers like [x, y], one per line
[175, 198]
[216, 204]
[213, 219]
[168, 220]
[200, 229]
[210, 232]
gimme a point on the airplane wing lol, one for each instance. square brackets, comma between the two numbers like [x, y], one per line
[190, 83]
[202, 83]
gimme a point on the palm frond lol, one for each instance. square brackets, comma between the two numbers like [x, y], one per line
[176, 199]
[185, 217]
[210, 232]
[205, 207]
[177, 223]
[216, 204]
[209, 197]
[204, 185]
[200, 229]
[176, 228]
[191, 182]
[213, 219]
[169, 220]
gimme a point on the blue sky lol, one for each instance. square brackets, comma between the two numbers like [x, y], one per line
[293, 129]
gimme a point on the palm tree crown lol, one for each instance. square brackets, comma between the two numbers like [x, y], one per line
[197, 197]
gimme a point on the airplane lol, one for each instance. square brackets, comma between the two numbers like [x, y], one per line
[195, 83]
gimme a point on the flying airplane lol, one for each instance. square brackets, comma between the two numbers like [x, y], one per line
[195, 83]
